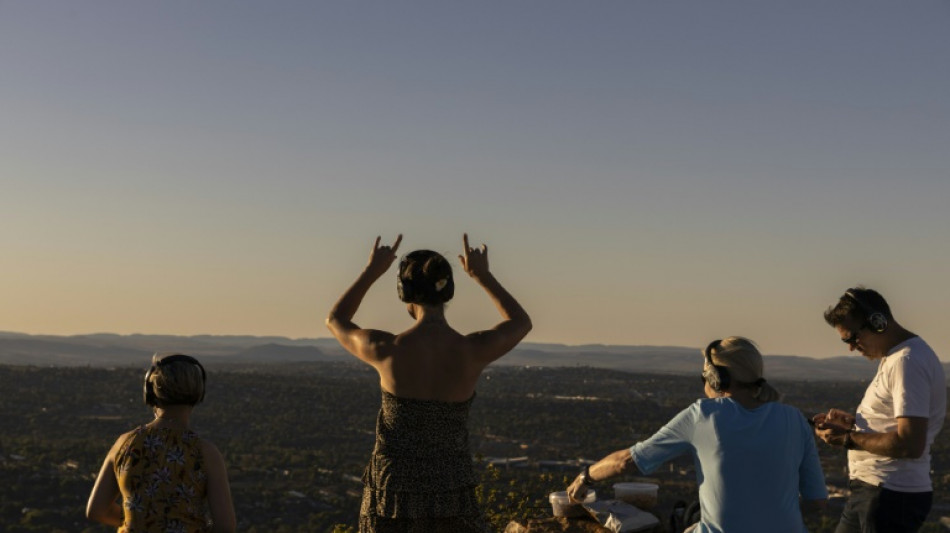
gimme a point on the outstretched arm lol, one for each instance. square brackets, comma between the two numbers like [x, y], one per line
[613, 465]
[361, 342]
[516, 323]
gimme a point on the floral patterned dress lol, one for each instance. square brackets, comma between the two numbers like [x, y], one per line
[162, 480]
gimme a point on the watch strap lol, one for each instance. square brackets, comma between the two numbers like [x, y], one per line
[848, 441]
[585, 476]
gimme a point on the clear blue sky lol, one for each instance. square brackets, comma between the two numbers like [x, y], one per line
[643, 172]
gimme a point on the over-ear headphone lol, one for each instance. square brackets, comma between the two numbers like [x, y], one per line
[716, 375]
[875, 320]
[149, 389]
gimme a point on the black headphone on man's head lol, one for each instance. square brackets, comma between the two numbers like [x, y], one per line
[716, 375]
[149, 389]
[875, 320]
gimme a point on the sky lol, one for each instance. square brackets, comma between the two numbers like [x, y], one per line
[643, 173]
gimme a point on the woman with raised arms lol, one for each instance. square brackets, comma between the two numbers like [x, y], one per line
[420, 476]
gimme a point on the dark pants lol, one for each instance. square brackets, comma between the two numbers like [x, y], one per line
[872, 509]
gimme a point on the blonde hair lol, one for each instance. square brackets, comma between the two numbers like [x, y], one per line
[175, 382]
[746, 369]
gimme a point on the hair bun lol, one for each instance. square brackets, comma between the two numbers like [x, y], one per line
[425, 277]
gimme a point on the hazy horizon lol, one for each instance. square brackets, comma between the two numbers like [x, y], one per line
[654, 174]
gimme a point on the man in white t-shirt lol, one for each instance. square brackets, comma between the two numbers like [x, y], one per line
[889, 437]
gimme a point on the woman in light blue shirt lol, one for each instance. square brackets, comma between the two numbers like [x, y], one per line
[754, 456]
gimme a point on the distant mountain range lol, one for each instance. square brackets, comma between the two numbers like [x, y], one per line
[106, 349]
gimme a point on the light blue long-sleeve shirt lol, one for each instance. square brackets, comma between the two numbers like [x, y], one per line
[751, 464]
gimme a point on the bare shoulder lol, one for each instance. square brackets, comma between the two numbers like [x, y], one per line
[209, 450]
[123, 438]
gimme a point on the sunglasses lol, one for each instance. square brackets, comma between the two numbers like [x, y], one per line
[852, 340]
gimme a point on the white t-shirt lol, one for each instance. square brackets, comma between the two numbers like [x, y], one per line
[909, 383]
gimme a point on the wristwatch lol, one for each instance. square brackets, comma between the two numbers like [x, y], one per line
[848, 441]
[585, 476]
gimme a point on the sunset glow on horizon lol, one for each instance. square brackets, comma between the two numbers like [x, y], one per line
[642, 173]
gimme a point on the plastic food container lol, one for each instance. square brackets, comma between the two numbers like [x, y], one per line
[641, 495]
[562, 506]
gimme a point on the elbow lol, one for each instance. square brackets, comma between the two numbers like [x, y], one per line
[224, 524]
[819, 505]
[229, 527]
[914, 452]
[524, 322]
[906, 451]
[911, 446]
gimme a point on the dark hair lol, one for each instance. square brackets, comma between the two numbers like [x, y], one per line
[425, 277]
[857, 303]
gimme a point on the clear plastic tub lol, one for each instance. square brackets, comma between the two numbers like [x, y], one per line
[561, 505]
[641, 495]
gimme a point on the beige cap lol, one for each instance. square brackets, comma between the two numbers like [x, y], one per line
[741, 356]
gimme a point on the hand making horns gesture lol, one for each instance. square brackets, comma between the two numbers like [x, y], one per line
[382, 257]
[474, 260]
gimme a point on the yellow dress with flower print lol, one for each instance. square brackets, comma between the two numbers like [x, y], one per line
[162, 480]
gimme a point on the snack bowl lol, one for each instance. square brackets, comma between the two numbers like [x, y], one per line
[641, 495]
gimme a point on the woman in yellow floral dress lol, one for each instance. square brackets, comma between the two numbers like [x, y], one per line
[169, 479]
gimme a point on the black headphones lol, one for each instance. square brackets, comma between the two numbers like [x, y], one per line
[149, 389]
[875, 320]
[716, 375]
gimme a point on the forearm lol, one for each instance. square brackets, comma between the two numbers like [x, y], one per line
[608, 467]
[507, 306]
[613, 465]
[345, 308]
[890, 444]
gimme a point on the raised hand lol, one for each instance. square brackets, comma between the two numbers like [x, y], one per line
[382, 257]
[474, 260]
